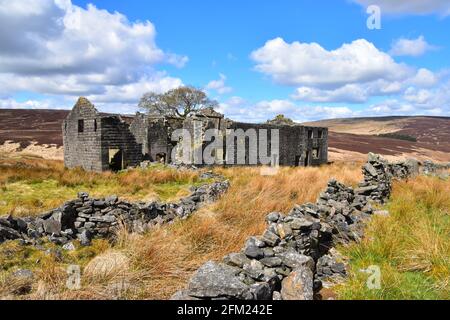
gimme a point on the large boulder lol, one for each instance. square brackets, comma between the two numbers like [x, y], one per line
[7, 233]
[52, 227]
[293, 260]
[236, 259]
[217, 280]
[298, 285]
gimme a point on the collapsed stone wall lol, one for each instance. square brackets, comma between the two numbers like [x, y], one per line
[86, 218]
[295, 255]
[431, 168]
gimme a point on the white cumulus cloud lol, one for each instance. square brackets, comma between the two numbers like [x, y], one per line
[56, 47]
[309, 64]
[219, 85]
[350, 93]
[239, 109]
[410, 47]
[29, 104]
[352, 73]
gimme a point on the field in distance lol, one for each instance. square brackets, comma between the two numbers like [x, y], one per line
[394, 137]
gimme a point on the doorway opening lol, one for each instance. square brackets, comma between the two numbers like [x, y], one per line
[306, 160]
[115, 160]
[161, 157]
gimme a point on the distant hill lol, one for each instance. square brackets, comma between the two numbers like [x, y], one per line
[420, 137]
[25, 126]
[349, 139]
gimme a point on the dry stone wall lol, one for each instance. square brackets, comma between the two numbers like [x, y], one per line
[431, 168]
[295, 254]
[86, 218]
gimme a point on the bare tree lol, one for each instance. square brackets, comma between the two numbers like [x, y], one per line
[179, 102]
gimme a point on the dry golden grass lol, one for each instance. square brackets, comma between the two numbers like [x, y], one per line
[108, 265]
[48, 263]
[12, 169]
[167, 256]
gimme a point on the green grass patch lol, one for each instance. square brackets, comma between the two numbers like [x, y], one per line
[411, 246]
[30, 187]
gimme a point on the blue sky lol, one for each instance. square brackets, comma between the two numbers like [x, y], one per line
[306, 59]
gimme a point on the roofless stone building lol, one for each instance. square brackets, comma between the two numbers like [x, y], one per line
[98, 142]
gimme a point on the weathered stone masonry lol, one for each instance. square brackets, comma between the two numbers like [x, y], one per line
[99, 142]
[298, 145]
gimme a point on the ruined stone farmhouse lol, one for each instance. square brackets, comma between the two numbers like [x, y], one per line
[98, 141]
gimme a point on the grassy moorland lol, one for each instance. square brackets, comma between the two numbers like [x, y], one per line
[411, 246]
[29, 186]
[155, 265]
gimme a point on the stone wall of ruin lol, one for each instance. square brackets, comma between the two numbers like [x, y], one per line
[116, 134]
[82, 149]
[150, 139]
[294, 144]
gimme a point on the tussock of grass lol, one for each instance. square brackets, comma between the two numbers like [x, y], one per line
[30, 186]
[411, 246]
[108, 265]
